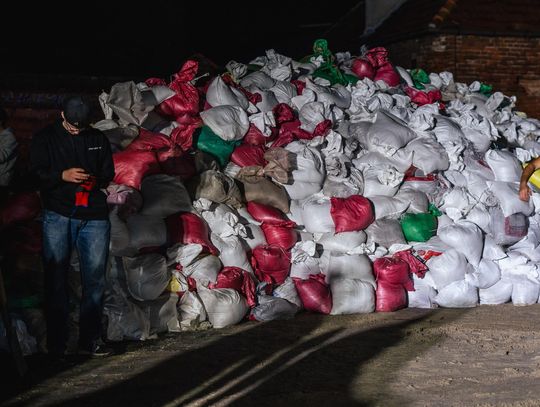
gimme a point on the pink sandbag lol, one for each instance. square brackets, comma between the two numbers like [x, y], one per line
[362, 68]
[388, 74]
[186, 228]
[149, 141]
[416, 264]
[351, 214]
[423, 98]
[20, 207]
[314, 293]
[390, 298]
[394, 271]
[131, 166]
[282, 236]
[186, 99]
[268, 214]
[238, 279]
[271, 263]
[182, 136]
[246, 155]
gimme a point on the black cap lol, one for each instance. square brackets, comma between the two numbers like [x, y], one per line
[77, 111]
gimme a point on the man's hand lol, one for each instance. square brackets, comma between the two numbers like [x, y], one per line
[76, 175]
[525, 193]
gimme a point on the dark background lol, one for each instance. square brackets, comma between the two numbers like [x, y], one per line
[119, 39]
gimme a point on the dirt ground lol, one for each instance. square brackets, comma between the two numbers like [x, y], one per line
[484, 356]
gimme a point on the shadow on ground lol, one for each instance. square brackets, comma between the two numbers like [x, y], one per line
[292, 362]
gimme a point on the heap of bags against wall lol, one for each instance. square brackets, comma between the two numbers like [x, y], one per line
[337, 184]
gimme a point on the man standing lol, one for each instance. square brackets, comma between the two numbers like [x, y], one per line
[73, 162]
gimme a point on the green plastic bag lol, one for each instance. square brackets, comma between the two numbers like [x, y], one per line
[328, 70]
[420, 77]
[486, 89]
[211, 143]
[420, 227]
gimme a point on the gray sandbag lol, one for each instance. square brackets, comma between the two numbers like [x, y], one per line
[216, 187]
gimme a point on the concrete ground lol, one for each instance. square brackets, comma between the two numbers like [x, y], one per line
[484, 356]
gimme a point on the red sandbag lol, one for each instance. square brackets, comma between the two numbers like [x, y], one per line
[238, 279]
[130, 167]
[282, 236]
[186, 228]
[321, 129]
[394, 271]
[388, 74]
[351, 214]
[176, 162]
[283, 113]
[271, 263]
[416, 264]
[268, 214]
[246, 155]
[390, 298]
[299, 85]
[314, 293]
[291, 131]
[423, 98]
[362, 68]
[149, 141]
[377, 57]
[186, 99]
[182, 136]
[20, 207]
[255, 137]
[155, 82]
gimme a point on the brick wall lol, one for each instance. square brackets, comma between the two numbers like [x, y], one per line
[510, 64]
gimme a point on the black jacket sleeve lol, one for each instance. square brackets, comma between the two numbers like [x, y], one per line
[40, 165]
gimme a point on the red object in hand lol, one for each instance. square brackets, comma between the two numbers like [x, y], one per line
[83, 191]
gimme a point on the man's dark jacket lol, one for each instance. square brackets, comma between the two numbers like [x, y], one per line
[54, 150]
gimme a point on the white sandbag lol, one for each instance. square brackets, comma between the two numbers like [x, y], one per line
[457, 203]
[192, 313]
[310, 165]
[224, 224]
[271, 308]
[284, 91]
[228, 122]
[401, 160]
[447, 131]
[302, 190]
[417, 200]
[351, 296]
[268, 102]
[304, 260]
[311, 114]
[525, 290]
[342, 242]
[335, 95]
[458, 294]
[254, 236]
[219, 94]
[429, 155]
[423, 295]
[507, 194]
[204, 268]
[480, 216]
[126, 321]
[318, 218]
[146, 275]
[485, 275]
[504, 165]
[350, 266]
[162, 313]
[146, 231]
[258, 79]
[465, 237]
[287, 290]
[164, 195]
[498, 293]
[224, 306]
[231, 252]
[492, 251]
[381, 181]
[387, 134]
[507, 230]
[448, 267]
[385, 232]
[388, 206]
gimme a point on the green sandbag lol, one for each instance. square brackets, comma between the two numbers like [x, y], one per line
[418, 227]
[420, 77]
[486, 89]
[211, 143]
[328, 70]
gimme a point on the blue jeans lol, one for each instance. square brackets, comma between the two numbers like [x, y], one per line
[91, 240]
